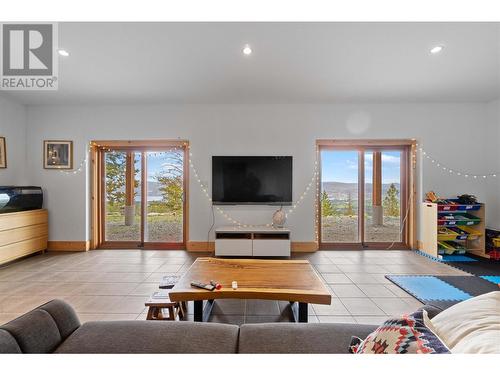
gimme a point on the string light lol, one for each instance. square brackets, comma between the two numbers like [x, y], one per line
[454, 171]
[314, 180]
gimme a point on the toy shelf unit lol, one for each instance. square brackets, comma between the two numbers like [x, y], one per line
[453, 228]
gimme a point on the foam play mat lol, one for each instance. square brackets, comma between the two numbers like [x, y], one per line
[429, 288]
[444, 291]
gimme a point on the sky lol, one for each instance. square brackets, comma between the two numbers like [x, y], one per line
[156, 163]
[339, 166]
[342, 166]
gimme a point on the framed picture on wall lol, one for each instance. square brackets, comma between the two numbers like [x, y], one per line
[3, 153]
[58, 154]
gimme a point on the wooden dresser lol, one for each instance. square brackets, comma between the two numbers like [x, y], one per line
[22, 233]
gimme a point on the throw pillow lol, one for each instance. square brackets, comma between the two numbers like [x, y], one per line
[405, 335]
[471, 326]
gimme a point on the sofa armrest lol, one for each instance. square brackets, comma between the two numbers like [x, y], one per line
[41, 330]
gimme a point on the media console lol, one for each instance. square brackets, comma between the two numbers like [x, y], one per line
[252, 241]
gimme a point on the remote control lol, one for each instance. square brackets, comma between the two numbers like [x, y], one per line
[197, 284]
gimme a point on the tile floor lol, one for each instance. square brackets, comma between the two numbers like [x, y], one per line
[114, 284]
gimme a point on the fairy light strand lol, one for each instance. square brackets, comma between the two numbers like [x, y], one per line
[314, 184]
[452, 171]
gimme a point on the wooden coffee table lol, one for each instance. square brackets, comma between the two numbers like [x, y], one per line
[294, 281]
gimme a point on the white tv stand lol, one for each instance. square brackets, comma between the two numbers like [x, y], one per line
[252, 241]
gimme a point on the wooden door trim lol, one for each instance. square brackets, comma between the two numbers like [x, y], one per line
[408, 146]
[361, 195]
[365, 142]
[97, 201]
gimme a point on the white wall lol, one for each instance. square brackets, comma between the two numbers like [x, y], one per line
[13, 128]
[493, 143]
[453, 133]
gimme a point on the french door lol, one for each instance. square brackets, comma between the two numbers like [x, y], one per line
[364, 195]
[142, 194]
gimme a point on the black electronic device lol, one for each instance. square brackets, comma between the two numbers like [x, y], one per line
[252, 180]
[20, 198]
[197, 284]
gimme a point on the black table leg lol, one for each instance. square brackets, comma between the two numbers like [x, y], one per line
[198, 311]
[300, 312]
[303, 313]
[202, 314]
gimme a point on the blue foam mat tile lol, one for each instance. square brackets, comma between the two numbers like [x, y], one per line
[421, 253]
[457, 258]
[447, 258]
[492, 279]
[428, 288]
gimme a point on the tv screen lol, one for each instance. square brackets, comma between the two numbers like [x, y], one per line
[252, 180]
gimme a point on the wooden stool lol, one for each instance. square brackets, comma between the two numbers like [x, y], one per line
[160, 301]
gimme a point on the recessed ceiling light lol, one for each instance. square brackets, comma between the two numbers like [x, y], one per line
[63, 52]
[436, 49]
[247, 50]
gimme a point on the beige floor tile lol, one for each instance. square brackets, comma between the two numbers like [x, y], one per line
[335, 308]
[393, 306]
[336, 278]
[361, 268]
[113, 284]
[262, 307]
[156, 277]
[327, 268]
[376, 290]
[10, 287]
[122, 277]
[361, 306]
[144, 289]
[397, 291]
[413, 303]
[107, 289]
[23, 304]
[130, 304]
[381, 279]
[169, 268]
[7, 317]
[346, 290]
[362, 278]
[341, 261]
[142, 317]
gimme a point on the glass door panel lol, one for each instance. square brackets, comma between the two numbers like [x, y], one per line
[122, 204]
[382, 200]
[339, 196]
[165, 197]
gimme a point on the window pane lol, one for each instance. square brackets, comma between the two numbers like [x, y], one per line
[165, 196]
[123, 211]
[382, 196]
[339, 196]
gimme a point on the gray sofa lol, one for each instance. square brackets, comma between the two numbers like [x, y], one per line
[55, 328]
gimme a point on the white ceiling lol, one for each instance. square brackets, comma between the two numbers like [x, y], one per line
[291, 63]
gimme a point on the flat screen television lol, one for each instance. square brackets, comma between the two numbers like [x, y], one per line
[264, 180]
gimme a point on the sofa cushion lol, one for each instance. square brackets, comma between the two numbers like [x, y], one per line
[35, 332]
[471, 326]
[8, 344]
[299, 337]
[64, 315]
[151, 337]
